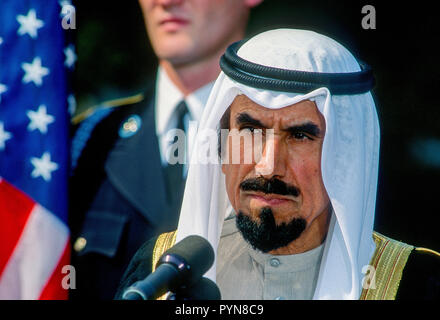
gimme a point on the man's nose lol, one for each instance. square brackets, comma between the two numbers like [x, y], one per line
[272, 161]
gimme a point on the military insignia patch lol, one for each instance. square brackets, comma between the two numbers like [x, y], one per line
[130, 126]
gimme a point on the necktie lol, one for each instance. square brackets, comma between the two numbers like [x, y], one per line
[174, 172]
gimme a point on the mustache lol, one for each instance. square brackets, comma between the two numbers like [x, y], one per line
[269, 186]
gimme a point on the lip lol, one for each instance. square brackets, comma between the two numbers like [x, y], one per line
[270, 199]
[173, 23]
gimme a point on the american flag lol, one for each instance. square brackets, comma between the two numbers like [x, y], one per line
[35, 63]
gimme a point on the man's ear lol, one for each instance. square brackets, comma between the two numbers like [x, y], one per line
[252, 3]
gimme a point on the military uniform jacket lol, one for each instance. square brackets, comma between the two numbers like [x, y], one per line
[118, 196]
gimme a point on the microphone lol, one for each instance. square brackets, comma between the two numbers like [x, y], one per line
[204, 289]
[180, 266]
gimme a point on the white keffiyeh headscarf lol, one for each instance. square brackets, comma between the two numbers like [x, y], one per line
[350, 156]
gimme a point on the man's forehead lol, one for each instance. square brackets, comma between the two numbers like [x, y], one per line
[243, 104]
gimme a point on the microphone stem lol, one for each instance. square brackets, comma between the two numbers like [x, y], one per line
[154, 285]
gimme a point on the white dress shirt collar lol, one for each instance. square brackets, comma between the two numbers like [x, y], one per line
[168, 97]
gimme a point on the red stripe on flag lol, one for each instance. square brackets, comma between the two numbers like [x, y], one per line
[54, 288]
[15, 209]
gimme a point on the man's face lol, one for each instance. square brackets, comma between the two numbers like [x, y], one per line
[183, 31]
[289, 184]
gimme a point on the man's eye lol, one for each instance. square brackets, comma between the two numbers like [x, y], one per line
[250, 129]
[300, 136]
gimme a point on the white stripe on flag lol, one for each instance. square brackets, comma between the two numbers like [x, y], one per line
[35, 257]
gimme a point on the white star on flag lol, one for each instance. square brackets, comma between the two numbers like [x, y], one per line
[69, 52]
[39, 119]
[4, 136]
[3, 89]
[34, 72]
[71, 102]
[64, 3]
[43, 167]
[1, 40]
[29, 24]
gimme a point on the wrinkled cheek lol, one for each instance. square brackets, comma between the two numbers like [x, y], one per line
[316, 175]
[317, 201]
[240, 148]
[308, 179]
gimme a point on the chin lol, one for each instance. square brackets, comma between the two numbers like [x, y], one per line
[176, 49]
[281, 216]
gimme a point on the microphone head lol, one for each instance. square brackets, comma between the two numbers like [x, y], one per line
[193, 256]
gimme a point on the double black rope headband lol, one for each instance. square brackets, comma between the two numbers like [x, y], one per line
[276, 79]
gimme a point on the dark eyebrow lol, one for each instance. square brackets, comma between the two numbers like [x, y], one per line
[308, 127]
[245, 118]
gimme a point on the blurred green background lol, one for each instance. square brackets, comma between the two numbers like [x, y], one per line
[115, 60]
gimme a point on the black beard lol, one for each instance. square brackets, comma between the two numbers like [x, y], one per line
[266, 235]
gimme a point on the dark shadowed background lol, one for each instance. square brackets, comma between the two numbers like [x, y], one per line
[115, 60]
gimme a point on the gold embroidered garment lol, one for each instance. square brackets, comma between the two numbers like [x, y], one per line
[388, 262]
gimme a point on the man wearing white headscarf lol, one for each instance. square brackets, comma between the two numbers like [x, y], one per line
[297, 221]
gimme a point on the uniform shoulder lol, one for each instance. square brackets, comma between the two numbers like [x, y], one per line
[84, 125]
[107, 105]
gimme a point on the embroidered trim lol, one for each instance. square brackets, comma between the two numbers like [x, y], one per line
[107, 104]
[163, 243]
[388, 261]
[428, 250]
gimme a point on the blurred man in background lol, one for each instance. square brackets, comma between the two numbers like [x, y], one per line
[124, 189]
